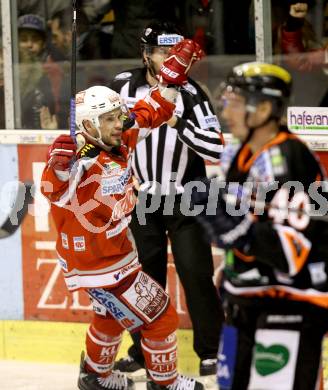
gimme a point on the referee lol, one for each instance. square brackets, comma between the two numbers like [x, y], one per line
[171, 156]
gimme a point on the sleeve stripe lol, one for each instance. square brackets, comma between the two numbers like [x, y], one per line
[199, 141]
[209, 111]
[211, 132]
[209, 136]
[209, 153]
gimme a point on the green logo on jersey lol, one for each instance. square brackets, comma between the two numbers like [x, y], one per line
[113, 165]
[277, 160]
[229, 259]
[270, 359]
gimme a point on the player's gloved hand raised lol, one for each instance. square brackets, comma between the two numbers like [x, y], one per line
[224, 229]
[61, 152]
[174, 69]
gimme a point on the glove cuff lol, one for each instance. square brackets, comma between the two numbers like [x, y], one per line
[168, 92]
[62, 175]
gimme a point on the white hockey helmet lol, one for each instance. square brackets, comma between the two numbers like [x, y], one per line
[94, 102]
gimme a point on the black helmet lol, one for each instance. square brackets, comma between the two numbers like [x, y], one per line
[258, 81]
[160, 33]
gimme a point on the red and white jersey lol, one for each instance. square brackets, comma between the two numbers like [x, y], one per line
[91, 209]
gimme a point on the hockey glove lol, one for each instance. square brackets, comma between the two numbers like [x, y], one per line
[225, 230]
[61, 153]
[174, 69]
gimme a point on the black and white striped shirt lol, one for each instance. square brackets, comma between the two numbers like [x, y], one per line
[173, 156]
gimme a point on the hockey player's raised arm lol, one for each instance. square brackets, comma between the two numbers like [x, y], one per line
[173, 75]
[205, 141]
[153, 110]
[201, 132]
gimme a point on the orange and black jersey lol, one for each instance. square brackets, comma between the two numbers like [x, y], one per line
[288, 256]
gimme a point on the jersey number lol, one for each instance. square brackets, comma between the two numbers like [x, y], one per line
[295, 211]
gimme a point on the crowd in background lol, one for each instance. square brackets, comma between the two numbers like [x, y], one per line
[110, 29]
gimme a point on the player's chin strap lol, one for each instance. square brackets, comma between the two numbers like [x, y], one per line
[83, 136]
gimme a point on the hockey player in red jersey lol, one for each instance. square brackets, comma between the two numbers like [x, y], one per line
[91, 203]
[276, 284]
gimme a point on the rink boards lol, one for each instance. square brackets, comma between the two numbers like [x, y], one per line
[33, 289]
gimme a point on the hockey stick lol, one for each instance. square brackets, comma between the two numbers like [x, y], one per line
[73, 73]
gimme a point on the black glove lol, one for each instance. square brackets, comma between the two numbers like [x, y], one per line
[129, 121]
[225, 230]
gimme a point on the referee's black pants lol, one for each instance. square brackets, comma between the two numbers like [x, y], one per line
[194, 265]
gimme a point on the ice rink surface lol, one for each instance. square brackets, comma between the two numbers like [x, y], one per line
[18, 375]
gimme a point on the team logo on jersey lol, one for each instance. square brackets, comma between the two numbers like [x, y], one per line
[64, 240]
[277, 161]
[126, 270]
[112, 168]
[275, 357]
[79, 99]
[127, 318]
[271, 359]
[79, 244]
[115, 185]
[115, 179]
[146, 296]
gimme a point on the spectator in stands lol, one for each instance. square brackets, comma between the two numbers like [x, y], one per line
[88, 47]
[295, 41]
[37, 101]
[203, 22]
[44, 8]
[48, 8]
[130, 18]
